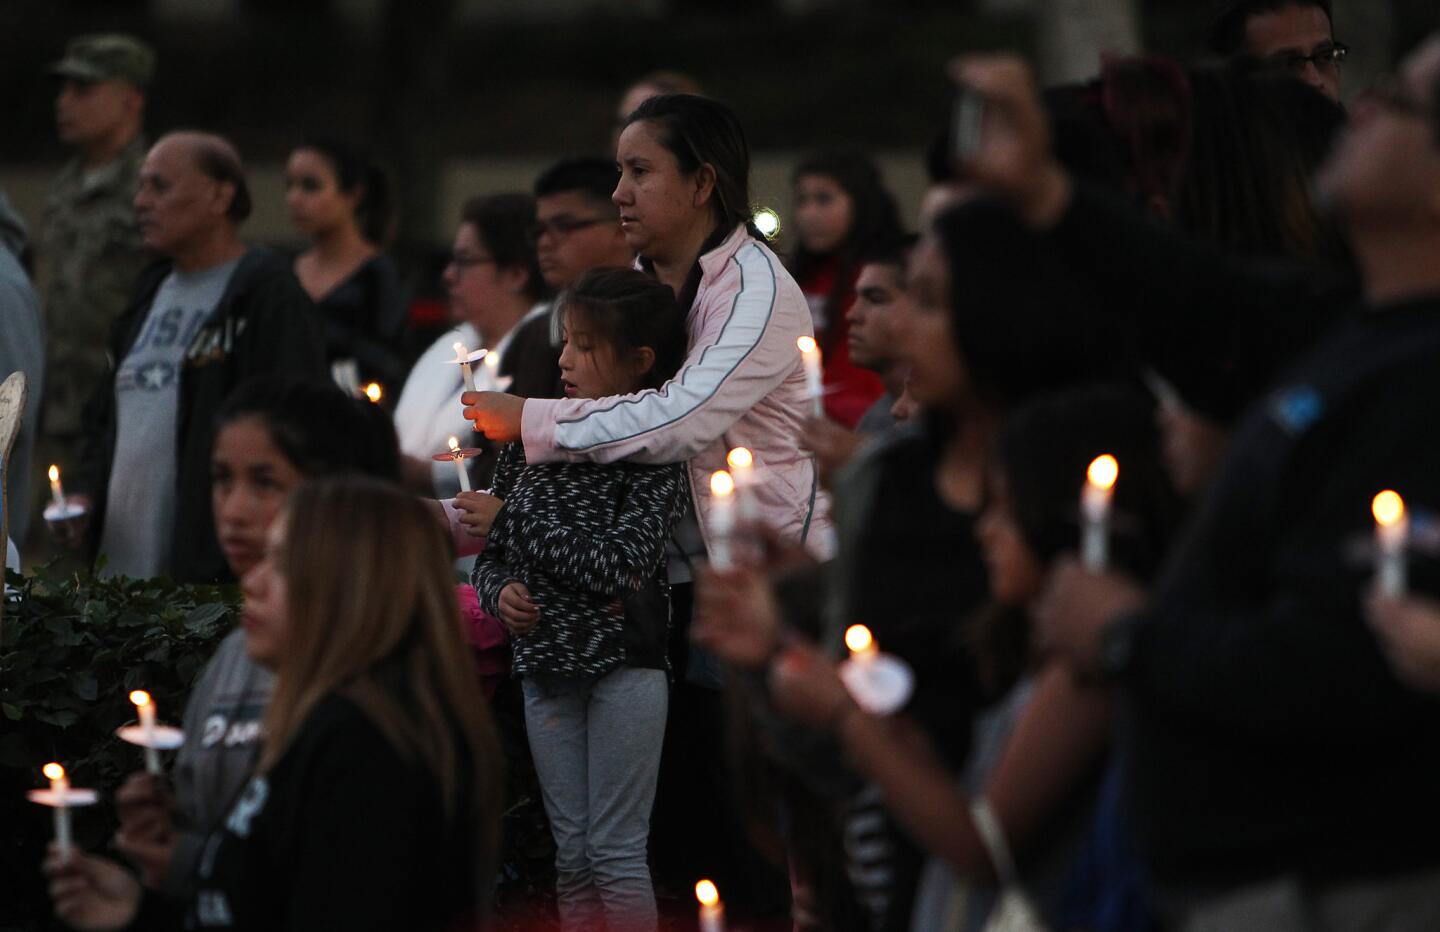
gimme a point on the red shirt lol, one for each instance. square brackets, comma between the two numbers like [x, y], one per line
[849, 389]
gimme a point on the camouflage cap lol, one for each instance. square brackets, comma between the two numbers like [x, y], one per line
[103, 56]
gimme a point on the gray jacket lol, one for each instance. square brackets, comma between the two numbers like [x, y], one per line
[222, 746]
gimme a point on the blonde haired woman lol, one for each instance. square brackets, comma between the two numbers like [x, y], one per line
[375, 804]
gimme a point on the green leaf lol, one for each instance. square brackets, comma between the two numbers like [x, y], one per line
[12, 712]
[85, 685]
[204, 617]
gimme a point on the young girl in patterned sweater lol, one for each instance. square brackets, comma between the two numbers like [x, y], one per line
[574, 567]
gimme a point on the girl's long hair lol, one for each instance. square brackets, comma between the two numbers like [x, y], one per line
[373, 618]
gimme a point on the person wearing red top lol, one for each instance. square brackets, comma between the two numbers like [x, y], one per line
[842, 208]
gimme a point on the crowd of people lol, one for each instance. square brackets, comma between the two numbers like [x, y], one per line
[1216, 273]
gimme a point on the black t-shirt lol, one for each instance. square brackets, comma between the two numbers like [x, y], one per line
[342, 834]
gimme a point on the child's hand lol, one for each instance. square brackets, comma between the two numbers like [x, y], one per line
[477, 512]
[517, 609]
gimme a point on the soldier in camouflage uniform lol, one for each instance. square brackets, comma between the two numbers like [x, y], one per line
[90, 244]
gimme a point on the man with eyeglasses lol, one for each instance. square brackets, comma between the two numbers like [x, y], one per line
[577, 227]
[1297, 36]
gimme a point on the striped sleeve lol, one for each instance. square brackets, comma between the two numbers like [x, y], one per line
[731, 366]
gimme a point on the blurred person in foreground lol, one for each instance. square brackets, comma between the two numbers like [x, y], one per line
[1264, 801]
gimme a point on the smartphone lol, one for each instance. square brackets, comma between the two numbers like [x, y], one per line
[966, 120]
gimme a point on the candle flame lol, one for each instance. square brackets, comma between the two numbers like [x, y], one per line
[706, 893]
[53, 771]
[721, 484]
[767, 221]
[454, 446]
[54, 473]
[1388, 508]
[460, 349]
[1103, 472]
[859, 639]
[140, 697]
[740, 458]
[807, 345]
[374, 392]
[492, 361]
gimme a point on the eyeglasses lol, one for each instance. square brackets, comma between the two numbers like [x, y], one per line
[1326, 59]
[562, 227]
[464, 260]
[1390, 93]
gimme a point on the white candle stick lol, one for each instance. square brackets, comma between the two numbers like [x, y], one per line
[57, 491]
[60, 789]
[145, 708]
[712, 911]
[462, 356]
[459, 458]
[1392, 529]
[814, 377]
[1095, 512]
[742, 470]
[722, 520]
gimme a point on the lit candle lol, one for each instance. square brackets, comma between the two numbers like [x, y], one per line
[861, 643]
[60, 788]
[742, 470]
[374, 392]
[814, 380]
[722, 519]
[145, 708]
[712, 911]
[1392, 528]
[459, 465]
[1095, 512]
[462, 356]
[57, 491]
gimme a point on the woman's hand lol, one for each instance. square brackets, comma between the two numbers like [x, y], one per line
[736, 617]
[1409, 632]
[91, 893]
[496, 415]
[147, 825]
[1077, 606]
[517, 609]
[477, 512]
[805, 687]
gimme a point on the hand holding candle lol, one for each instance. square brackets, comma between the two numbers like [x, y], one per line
[1100, 481]
[1392, 530]
[814, 377]
[62, 507]
[712, 911]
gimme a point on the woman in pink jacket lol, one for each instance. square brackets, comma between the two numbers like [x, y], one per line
[685, 209]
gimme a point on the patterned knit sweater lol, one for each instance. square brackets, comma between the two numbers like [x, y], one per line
[581, 537]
